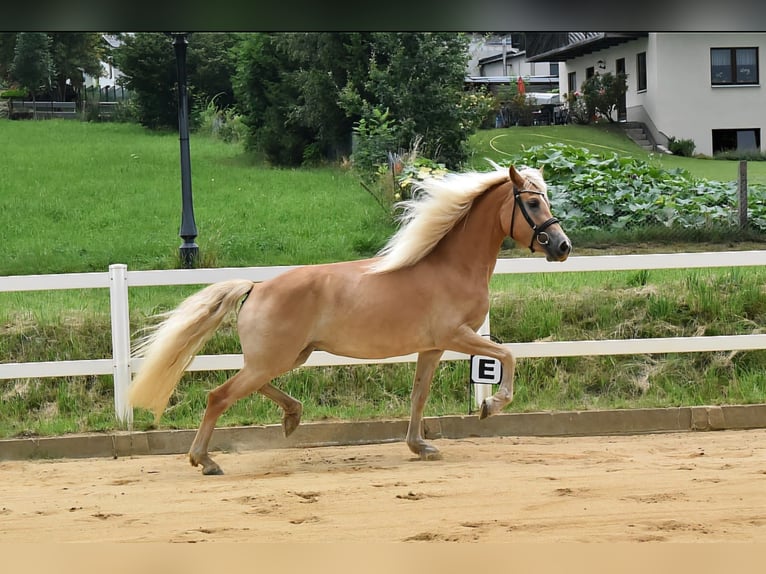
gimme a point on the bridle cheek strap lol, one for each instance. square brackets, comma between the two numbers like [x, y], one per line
[538, 231]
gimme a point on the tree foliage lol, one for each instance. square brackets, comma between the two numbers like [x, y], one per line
[418, 77]
[7, 45]
[148, 62]
[75, 54]
[602, 94]
[265, 98]
[302, 93]
[69, 56]
[32, 64]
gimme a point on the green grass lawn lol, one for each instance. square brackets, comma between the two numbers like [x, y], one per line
[77, 196]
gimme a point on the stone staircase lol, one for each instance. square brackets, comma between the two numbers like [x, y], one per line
[639, 134]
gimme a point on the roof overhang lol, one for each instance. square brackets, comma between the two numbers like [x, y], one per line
[581, 47]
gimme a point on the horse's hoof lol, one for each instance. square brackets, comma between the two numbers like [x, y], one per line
[213, 470]
[209, 467]
[484, 413]
[428, 452]
[290, 423]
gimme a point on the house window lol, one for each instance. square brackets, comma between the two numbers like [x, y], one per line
[572, 82]
[733, 66]
[641, 71]
[554, 69]
[589, 72]
[739, 140]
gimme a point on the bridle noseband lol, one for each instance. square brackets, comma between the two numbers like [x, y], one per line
[539, 232]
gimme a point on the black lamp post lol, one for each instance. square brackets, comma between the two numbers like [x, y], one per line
[189, 250]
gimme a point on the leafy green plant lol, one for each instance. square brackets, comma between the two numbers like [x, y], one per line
[578, 111]
[684, 147]
[13, 93]
[222, 123]
[376, 136]
[595, 192]
[478, 109]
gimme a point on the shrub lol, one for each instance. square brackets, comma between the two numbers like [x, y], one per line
[376, 137]
[478, 109]
[222, 123]
[516, 107]
[13, 93]
[602, 94]
[578, 111]
[684, 147]
[747, 155]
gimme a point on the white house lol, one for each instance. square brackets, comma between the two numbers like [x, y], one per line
[110, 76]
[700, 86]
[499, 59]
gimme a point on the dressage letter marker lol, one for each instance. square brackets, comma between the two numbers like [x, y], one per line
[485, 370]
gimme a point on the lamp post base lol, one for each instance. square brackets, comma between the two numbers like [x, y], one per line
[189, 254]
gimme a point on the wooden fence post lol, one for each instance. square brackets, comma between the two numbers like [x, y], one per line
[742, 193]
[118, 297]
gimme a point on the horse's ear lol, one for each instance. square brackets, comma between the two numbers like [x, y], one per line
[540, 169]
[517, 180]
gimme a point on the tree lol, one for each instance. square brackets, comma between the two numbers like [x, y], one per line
[266, 96]
[148, 61]
[211, 65]
[419, 77]
[602, 93]
[75, 53]
[71, 55]
[7, 45]
[303, 93]
[32, 63]
[322, 66]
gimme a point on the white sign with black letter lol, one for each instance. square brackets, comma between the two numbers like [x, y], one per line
[485, 370]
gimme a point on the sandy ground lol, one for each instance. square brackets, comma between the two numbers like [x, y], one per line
[687, 487]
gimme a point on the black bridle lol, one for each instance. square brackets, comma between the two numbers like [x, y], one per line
[539, 232]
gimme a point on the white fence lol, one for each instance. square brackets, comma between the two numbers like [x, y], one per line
[121, 365]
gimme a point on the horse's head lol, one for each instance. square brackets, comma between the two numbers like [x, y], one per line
[529, 217]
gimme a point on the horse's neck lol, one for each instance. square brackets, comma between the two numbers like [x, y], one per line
[474, 242]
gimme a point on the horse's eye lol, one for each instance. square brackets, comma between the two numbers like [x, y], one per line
[534, 203]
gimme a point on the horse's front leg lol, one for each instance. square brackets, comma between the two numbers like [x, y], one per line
[424, 374]
[469, 342]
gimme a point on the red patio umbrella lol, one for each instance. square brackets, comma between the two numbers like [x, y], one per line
[522, 87]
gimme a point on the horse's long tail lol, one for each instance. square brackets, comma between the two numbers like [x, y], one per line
[170, 346]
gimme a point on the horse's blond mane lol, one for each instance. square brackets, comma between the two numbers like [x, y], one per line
[441, 202]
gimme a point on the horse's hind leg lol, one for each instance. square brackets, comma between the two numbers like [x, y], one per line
[245, 382]
[424, 374]
[291, 407]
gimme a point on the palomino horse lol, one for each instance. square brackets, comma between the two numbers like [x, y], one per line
[426, 292]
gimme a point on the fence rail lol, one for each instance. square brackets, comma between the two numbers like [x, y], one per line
[118, 279]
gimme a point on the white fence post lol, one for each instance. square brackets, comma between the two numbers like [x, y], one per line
[118, 300]
[483, 391]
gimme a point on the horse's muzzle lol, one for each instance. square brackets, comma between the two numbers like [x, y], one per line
[557, 246]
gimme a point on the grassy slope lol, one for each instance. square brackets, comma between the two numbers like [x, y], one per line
[498, 144]
[76, 197]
